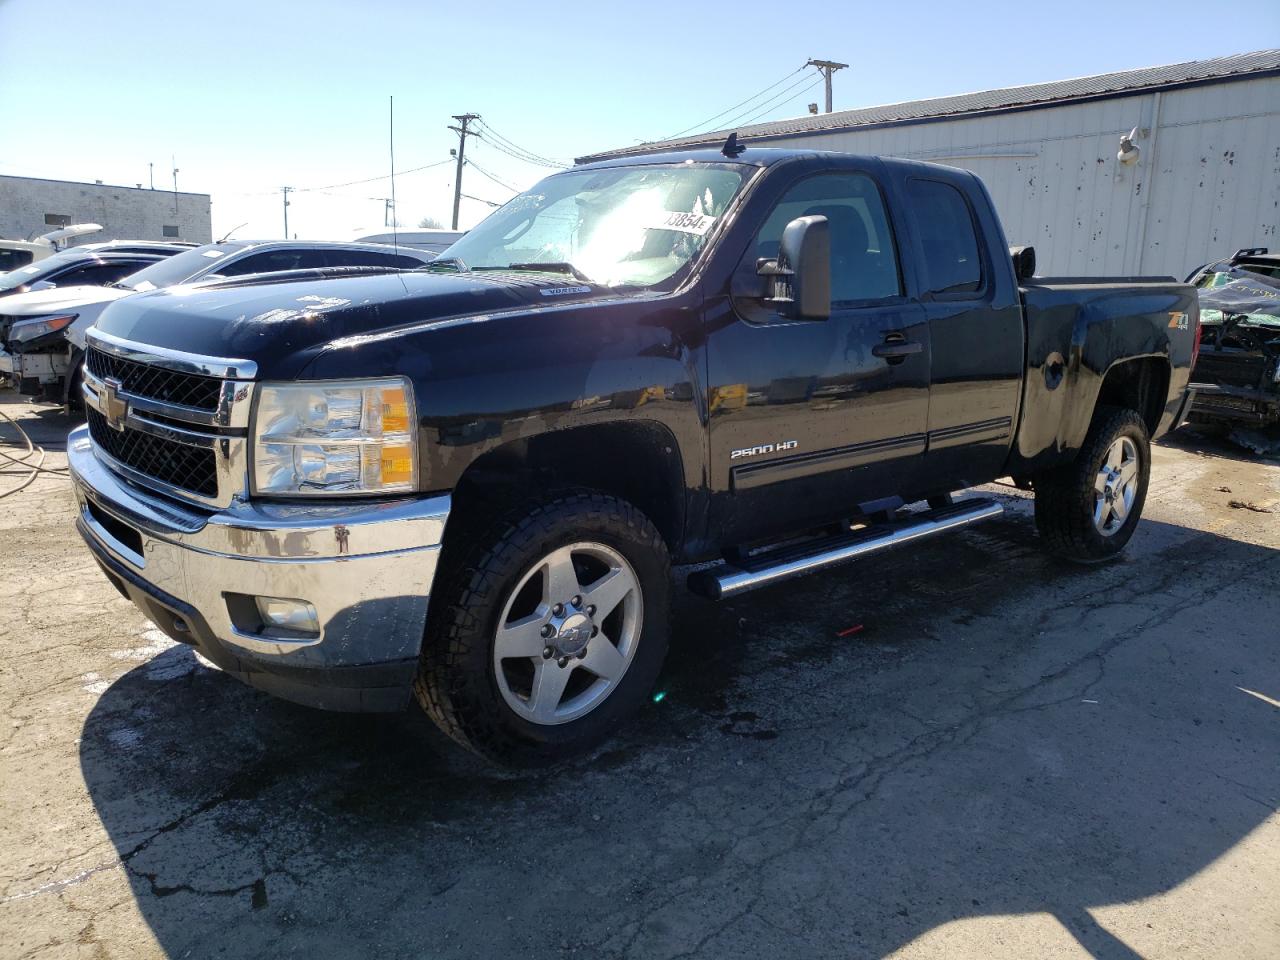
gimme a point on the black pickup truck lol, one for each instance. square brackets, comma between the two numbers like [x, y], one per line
[781, 360]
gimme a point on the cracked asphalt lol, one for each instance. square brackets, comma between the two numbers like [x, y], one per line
[1010, 758]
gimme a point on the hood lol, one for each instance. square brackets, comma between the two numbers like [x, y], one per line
[40, 303]
[1247, 298]
[280, 326]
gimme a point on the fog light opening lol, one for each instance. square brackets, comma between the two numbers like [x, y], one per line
[282, 613]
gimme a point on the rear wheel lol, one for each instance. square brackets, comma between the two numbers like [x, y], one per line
[549, 629]
[1088, 509]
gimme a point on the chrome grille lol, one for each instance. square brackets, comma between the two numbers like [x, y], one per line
[155, 383]
[191, 468]
[172, 421]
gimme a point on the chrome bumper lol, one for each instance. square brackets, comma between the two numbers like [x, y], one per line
[366, 567]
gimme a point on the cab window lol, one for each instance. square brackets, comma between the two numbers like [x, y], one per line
[948, 238]
[864, 263]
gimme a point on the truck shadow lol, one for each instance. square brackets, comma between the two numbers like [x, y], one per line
[994, 734]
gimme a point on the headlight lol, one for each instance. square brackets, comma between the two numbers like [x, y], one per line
[25, 330]
[335, 438]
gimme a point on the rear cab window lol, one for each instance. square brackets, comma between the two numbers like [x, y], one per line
[948, 236]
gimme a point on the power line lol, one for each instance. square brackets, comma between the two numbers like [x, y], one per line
[485, 173]
[385, 176]
[774, 106]
[498, 140]
[534, 159]
[777, 99]
[754, 96]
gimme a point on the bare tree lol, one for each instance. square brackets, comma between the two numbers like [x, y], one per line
[430, 223]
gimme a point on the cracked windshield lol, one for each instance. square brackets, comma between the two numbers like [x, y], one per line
[628, 227]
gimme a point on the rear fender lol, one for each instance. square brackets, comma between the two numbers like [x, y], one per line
[1080, 339]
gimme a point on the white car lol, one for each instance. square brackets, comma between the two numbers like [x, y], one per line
[432, 241]
[19, 253]
[46, 328]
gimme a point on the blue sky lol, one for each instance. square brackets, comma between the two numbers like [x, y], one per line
[249, 96]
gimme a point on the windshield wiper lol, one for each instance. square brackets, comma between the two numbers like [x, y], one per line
[453, 263]
[551, 266]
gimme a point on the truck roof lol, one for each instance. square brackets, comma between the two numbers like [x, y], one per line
[750, 156]
[758, 157]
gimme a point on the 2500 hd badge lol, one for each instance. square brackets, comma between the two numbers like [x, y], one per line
[764, 448]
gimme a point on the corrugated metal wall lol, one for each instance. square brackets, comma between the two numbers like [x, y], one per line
[1207, 181]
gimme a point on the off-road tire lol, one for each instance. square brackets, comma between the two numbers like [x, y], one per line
[1065, 495]
[456, 684]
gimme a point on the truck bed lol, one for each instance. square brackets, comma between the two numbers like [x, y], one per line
[1076, 327]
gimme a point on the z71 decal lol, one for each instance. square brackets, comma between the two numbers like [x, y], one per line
[764, 448]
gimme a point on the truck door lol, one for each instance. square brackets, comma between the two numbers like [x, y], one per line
[810, 419]
[975, 328]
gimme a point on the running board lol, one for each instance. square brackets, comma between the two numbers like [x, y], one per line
[723, 582]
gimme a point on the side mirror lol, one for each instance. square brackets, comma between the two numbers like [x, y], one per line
[1024, 262]
[800, 279]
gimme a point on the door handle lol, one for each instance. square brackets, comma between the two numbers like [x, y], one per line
[896, 348]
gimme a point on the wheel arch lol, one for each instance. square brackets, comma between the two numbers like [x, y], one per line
[636, 460]
[1140, 384]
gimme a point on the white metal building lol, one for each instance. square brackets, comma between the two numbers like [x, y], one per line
[30, 206]
[1205, 180]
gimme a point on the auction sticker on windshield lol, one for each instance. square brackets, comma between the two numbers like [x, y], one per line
[695, 223]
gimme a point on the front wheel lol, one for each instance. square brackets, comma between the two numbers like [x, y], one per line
[1088, 509]
[549, 629]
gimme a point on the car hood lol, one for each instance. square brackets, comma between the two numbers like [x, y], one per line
[40, 303]
[281, 326]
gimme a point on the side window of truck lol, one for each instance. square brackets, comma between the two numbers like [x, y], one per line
[864, 263]
[948, 238]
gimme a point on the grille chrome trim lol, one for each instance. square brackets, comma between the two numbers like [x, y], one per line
[223, 431]
[172, 411]
[223, 368]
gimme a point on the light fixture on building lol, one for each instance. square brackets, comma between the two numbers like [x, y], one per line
[1128, 152]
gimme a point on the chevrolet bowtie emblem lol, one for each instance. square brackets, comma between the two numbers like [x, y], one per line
[114, 407]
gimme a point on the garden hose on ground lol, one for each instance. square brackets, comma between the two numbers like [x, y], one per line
[22, 461]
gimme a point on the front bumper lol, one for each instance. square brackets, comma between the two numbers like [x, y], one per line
[366, 567]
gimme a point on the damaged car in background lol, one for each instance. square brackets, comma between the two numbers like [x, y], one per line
[1237, 374]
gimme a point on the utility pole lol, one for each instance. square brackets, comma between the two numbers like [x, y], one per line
[461, 131]
[828, 67]
[175, 185]
[152, 168]
[285, 193]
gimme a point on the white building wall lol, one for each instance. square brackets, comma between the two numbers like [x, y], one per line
[125, 213]
[1207, 181]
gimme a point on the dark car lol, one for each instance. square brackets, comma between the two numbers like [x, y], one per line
[1237, 374]
[44, 342]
